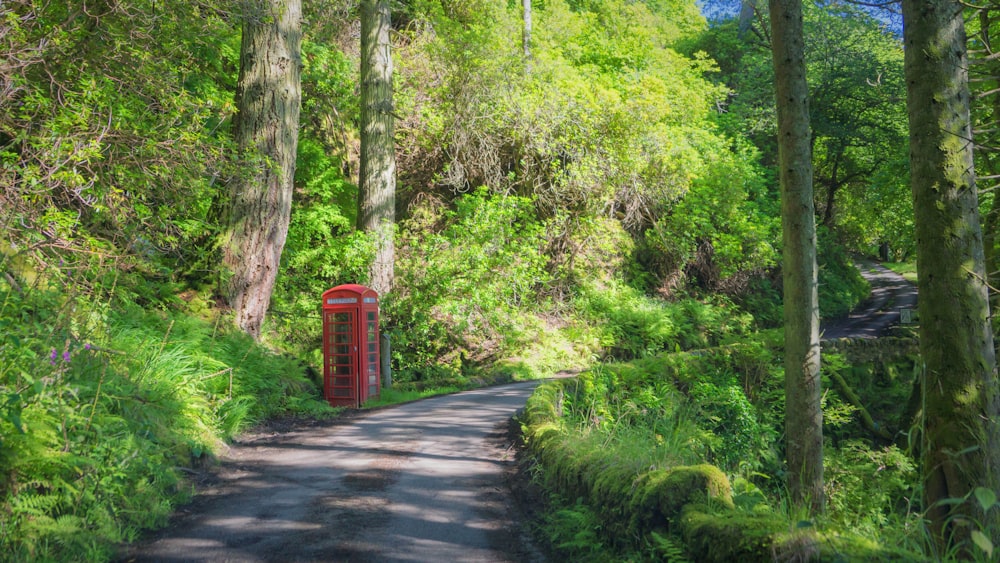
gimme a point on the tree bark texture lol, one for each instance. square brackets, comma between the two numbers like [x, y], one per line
[960, 408]
[377, 185]
[803, 416]
[268, 97]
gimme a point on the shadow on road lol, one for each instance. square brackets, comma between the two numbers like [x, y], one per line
[891, 293]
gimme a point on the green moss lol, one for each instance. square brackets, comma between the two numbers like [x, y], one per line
[684, 485]
[730, 536]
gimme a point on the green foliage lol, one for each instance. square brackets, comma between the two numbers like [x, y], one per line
[465, 277]
[857, 114]
[110, 132]
[865, 486]
[632, 325]
[841, 286]
[723, 227]
[102, 405]
[575, 530]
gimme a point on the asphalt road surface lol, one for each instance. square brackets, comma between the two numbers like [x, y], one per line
[890, 294]
[421, 482]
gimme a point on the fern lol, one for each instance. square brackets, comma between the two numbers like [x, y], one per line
[667, 549]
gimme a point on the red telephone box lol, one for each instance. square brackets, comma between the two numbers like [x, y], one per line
[350, 345]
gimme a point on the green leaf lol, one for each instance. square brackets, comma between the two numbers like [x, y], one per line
[15, 419]
[987, 497]
[982, 542]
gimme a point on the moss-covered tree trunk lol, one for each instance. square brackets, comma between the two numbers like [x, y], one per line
[960, 409]
[377, 184]
[803, 416]
[268, 97]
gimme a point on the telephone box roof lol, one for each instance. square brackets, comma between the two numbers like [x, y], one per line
[351, 288]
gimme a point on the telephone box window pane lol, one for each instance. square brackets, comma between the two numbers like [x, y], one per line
[338, 338]
[342, 381]
[372, 380]
[342, 349]
[343, 360]
[342, 393]
[372, 389]
[343, 370]
[341, 317]
[372, 348]
[372, 358]
[371, 316]
[342, 328]
[372, 370]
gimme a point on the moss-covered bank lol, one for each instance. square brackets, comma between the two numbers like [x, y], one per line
[660, 510]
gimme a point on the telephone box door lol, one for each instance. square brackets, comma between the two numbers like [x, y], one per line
[340, 355]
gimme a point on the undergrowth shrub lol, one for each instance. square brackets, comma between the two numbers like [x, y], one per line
[100, 407]
[841, 286]
[866, 487]
[621, 452]
[633, 325]
[463, 290]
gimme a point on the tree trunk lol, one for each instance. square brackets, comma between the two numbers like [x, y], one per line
[377, 183]
[960, 409]
[268, 96]
[748, 8]
[803, 416]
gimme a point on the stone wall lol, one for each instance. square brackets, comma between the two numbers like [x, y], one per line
[866, 350]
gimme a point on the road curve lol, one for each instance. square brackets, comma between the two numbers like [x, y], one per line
[890, 293]
[417, 482]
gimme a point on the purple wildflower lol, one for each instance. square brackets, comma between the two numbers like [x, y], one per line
[53, 356]
[66, 356]
[86, 346]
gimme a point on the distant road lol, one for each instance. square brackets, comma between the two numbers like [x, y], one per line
[422, 481]
[891, 293]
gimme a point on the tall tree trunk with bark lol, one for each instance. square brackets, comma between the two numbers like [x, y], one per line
[377, 185]
[268, 97]
[960, 404]
[803, 416]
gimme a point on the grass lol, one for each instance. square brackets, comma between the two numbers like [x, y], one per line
[394, 397]
[906, 269]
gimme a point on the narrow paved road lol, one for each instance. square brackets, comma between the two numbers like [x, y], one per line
[871, 318]
[418, 482]
[422, 482]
